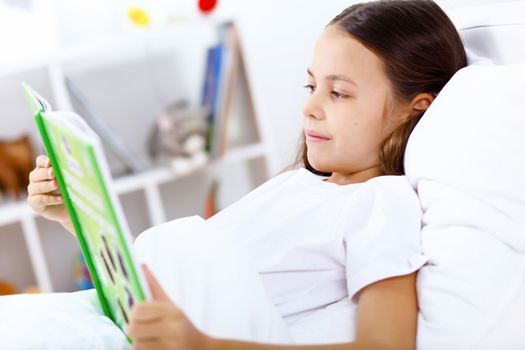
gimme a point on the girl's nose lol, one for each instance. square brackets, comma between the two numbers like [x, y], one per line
[311, 109]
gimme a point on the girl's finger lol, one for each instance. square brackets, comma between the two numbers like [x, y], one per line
[144, 331]
[41, 187]
[43, 200]
[157, 291]
[149, 311]
[148, 344]
[41, 174]
[42, 161]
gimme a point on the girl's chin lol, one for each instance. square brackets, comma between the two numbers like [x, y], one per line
[318, 166]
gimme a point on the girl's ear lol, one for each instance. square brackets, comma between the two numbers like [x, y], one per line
[420, 103]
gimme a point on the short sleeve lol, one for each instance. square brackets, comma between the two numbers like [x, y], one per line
[385, 241]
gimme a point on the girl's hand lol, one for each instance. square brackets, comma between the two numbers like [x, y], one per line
[43, 194]
[160, 325]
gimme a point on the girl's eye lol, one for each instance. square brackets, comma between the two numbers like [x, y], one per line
[338, 95]
[309, 87]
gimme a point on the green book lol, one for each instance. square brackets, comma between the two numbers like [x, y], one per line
[83, 177]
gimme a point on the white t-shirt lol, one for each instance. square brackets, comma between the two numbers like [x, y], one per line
[316, 244]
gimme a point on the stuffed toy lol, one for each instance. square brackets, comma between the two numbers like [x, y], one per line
[16, 162]
[179, 138]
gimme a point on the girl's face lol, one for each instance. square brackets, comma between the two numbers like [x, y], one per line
[350, 110]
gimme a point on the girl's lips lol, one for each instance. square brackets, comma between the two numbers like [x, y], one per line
[312, 136]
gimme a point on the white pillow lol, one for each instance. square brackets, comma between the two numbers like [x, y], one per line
[472, 138]
[474, 59]
[466, 159]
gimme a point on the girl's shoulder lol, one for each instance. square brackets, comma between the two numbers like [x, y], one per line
[395, 185]
[391, 195]
[384, 212]
[381, 199]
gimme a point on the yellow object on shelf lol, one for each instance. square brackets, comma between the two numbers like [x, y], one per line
[32, 290]
[138, 16]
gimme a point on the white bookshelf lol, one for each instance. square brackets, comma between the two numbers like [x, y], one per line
[36, 252]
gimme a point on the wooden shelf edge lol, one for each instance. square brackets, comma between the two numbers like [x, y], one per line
[14, 212]
[160, 175]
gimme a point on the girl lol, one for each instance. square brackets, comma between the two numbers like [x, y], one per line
[326, 254]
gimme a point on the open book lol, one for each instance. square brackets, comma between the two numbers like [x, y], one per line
[83, 177]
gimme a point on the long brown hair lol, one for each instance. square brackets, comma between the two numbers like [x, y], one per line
[420, 50]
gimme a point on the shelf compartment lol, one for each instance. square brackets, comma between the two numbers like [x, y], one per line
[15, 262]
[60, 250]
[136, 211]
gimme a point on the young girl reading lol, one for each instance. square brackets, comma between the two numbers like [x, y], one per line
[326, 253]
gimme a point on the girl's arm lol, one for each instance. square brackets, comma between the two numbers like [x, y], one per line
[386, 319]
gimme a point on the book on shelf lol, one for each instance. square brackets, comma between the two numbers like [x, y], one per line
[82, 173]
[210, 88]
[224, 66]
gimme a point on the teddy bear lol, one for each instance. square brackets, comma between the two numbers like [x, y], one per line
[16, 162]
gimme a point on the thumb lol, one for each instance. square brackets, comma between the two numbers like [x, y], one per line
[157, 292]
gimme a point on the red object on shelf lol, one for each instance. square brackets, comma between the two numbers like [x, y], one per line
[207, 6]
[210, 206]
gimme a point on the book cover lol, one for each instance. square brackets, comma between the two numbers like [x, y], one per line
[83, 178]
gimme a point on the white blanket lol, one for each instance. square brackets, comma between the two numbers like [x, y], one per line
[57, 321]
[204, 273]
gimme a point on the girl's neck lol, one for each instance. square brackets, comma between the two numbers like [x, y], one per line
[357, 177]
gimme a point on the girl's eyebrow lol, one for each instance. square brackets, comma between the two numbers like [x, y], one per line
[333, 77]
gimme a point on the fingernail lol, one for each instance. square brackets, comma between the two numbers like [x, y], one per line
[50, 172]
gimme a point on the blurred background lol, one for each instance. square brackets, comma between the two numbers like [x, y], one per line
[196, 102]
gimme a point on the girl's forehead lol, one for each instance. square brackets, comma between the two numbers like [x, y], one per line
[337, 52]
